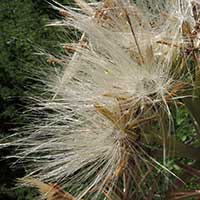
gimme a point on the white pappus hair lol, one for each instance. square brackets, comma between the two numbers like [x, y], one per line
[107, 97]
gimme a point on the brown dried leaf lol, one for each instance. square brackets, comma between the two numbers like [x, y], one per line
[186, 29]
[106, 113]
[49, 191]
[185, 195]
[64, 13]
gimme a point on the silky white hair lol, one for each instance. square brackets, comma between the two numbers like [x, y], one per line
[120, 54]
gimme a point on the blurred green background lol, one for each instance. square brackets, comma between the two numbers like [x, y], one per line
[22, 33]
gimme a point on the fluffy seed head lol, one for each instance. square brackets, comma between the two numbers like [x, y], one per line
[117, 84]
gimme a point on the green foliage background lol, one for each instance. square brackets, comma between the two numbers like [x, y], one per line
[22, 31]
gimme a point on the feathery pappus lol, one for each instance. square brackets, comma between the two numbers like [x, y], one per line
[111, 103]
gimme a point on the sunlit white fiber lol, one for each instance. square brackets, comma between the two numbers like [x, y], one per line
[76, 145]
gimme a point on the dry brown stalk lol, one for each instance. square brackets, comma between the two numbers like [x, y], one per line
[49, 191]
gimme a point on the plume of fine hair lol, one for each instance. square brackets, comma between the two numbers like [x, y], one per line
[115, 87]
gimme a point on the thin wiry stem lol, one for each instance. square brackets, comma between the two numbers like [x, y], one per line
[134, 35]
